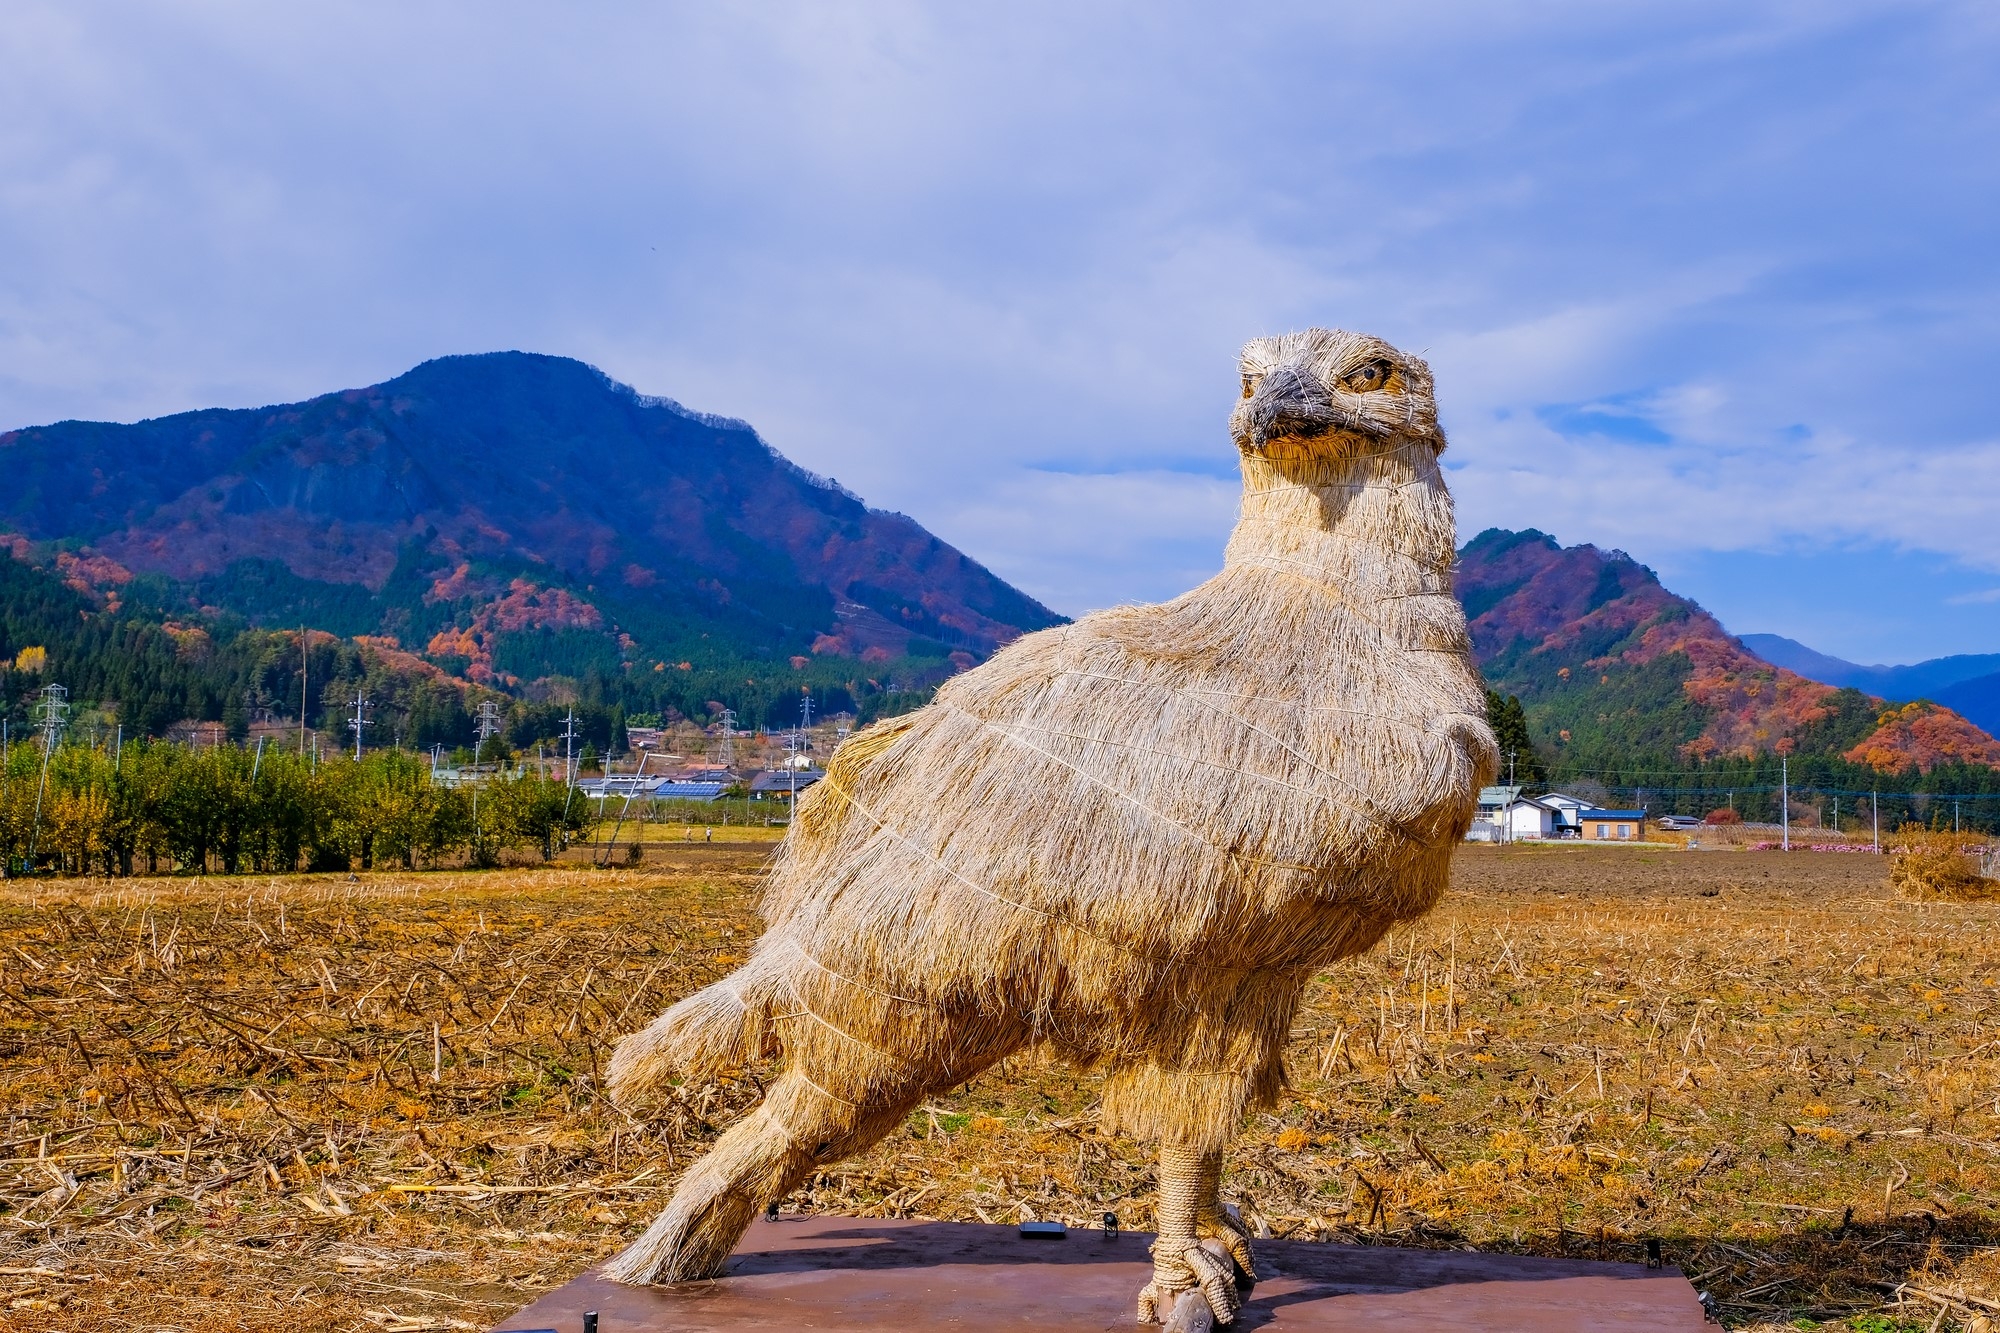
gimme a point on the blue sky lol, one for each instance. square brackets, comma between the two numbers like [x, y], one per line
[1710, 283]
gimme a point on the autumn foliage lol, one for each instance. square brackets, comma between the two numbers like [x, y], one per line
[1591, 637]
[1922, 735]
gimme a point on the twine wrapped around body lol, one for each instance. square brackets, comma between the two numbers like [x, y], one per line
[1133, 838]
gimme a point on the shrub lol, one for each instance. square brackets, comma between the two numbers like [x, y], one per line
[1723, 816]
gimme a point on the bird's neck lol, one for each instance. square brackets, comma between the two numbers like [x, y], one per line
[1369, 525]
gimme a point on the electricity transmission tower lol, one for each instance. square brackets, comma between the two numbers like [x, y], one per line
[729, 738]
[489, 727]
[50, 714]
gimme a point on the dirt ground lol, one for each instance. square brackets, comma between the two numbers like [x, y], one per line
[318, 1103]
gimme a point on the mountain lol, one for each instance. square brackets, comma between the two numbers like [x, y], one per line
[1978, 700]
[507, 516]
[1921, 680]
[505, 522]
[1967, 683]
[1612, 669]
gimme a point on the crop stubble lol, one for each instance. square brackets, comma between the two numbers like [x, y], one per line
[316, 1103]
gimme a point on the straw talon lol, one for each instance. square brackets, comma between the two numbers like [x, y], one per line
[1181, 1268]
[1225, 1228]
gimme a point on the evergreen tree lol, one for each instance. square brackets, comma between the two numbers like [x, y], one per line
[1510, 728]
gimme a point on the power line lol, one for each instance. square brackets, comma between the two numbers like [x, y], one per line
[1810, 790]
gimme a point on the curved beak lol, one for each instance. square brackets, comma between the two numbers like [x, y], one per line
[1289, 401]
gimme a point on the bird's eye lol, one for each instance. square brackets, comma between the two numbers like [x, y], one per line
[1363, 378]
[1249, 385]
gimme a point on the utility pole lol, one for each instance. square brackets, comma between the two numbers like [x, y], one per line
[792, 770]
[569, 751]
[1785, 796]
[257, 762]
[305, 669]
[569, 768]
[1875, 810]
[1836, 814]
[798, 745]
[359, 720]
[1510, 768]
[54, 708]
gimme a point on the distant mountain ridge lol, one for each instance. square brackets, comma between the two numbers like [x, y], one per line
[1967, 683]
[508, 515]
[1918, 680]
[1610, 665]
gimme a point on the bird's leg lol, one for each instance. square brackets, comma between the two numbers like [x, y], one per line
[1197, 1239]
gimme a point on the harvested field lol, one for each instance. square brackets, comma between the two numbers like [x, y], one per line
[321, 1103]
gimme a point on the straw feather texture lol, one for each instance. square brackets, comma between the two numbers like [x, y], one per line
[1132, 838]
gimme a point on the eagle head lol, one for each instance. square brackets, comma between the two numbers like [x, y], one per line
[1321, 393]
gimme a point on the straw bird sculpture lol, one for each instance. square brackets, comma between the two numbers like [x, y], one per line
[1131, 839]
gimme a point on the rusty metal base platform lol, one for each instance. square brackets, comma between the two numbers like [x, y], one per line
[841, 1273]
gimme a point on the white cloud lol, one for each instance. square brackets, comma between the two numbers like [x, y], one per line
[936, 251]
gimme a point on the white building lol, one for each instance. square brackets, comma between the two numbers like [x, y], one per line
[1567, 810]
[1505, 815]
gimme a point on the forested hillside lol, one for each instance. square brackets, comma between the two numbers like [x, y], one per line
[510, 516]
[504, 523]
[1624, 684]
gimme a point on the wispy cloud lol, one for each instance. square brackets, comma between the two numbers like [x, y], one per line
[1695, 277]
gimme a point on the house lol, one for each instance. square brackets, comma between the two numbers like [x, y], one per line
[632, 786]
[689, 791]
[702, 772]
[779, 784]
[1505, 815]
[1566, 809]
[618, 785]
[645, 738]
[1612, 825]
[1527, 819]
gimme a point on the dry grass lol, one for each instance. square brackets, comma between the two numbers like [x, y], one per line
[1934, 867]
[225, 1107]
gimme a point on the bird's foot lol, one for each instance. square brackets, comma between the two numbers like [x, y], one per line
[1224, 1225]
[1202, 1268]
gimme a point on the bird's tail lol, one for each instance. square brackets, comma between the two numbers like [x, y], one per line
[715, 1031]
